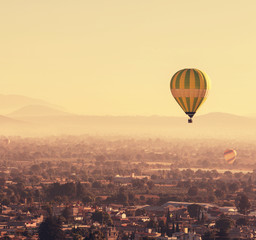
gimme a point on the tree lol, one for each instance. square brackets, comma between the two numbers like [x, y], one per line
[194, 211]
[140, 212]
[5, 238]
[219, 193]
[80, 233]
[241, 221]
[209, 235]
[80, 191]
[150, 184]
[224, 223]
[102, 217]
[77, 236]
[233, 187]
[177, 227]
[66, 213]
[152, 224]
[168, 217]
[100, 158]
[211, 198]
[122, 197]
[142, 198]
[228, 174]
[35, 168]
[96, 184]
[95, 235]
[243, 204]
[153, 177]
[138, 183]
[50, 229]
[193, 191]
[131, 196]
[34, 179]
[88, 198]
[168, 222]
[27, 234]
[162, 227]
[122, 235]
[6, 201]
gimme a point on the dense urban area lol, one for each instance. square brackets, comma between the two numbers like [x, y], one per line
[85, 187]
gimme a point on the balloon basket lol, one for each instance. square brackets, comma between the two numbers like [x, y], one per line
[190, 120]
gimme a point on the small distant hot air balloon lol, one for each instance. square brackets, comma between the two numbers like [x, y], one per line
[190, 89]
[230, 156]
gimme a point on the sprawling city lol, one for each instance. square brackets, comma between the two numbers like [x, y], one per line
[81, 187]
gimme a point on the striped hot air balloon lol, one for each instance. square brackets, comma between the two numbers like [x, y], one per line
[190, 89]
[230, 156]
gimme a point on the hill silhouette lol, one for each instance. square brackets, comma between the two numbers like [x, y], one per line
[9, 103]
[47, 121]
[37, 110]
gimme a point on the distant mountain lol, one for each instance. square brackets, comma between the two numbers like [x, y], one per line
[9, 126]
[9, 103]
[225, 125]
[9, 121]
[252, 115]
[214, 125]
[222, 116]
[37, 111]
[218, 118]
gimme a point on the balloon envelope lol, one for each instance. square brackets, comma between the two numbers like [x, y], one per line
[190, 89]
[230, 156]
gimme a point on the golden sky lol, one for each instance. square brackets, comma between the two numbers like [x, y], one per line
[116, 57]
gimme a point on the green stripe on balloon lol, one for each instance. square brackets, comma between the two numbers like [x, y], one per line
[188, 103]
[172, 80]
[177, 84]
[194, 104]
[197, 80]
[182, 103]
[187, 80]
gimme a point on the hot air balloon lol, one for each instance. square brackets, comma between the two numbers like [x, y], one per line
[230, 156]
[190, 89]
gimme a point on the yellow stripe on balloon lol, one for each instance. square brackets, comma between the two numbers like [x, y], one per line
[192, 84]
[199, 101]
[173, 82]
[182, 79]
[192, 87]
[179, 102]
[185, 103]
[191, 104]
[202, 91]
[183, 90]
[202, 84]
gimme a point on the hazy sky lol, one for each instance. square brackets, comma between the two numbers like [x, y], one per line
[117, 57]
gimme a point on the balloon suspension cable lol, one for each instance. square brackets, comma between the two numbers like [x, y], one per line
[190, 120]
